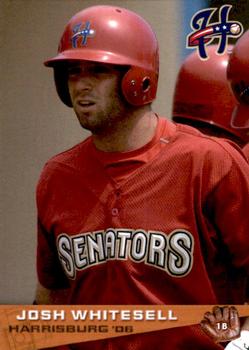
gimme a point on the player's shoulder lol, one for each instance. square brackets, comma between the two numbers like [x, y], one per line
[68, 161]
[197, 142]
[70, 157]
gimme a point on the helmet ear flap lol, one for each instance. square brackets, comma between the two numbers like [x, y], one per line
[139, 86]
[61, 83]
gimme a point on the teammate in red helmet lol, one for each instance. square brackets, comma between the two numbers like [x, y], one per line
[203, 97]
[238, 75]
[143, 211]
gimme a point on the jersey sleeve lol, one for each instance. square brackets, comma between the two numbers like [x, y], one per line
[49, 270]
[227, 204]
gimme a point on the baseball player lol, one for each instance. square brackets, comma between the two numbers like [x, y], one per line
[237, 73]
[203, 97]
[143, 211]
[238, 76]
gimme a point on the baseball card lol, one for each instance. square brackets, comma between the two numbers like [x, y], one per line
[125, 175]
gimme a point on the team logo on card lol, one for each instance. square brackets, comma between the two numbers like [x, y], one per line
[204, 31]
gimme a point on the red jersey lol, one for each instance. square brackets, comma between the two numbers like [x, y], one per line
[246, 151]
[164, 224]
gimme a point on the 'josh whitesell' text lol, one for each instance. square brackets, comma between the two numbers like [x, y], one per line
[100, 315]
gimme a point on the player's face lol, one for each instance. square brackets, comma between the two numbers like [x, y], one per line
[94, 89]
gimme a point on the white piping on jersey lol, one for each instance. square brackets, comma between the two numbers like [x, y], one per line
[164, 140]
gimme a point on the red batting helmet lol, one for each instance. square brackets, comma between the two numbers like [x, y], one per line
[202, 92]
[110, 34]
[238, 75]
